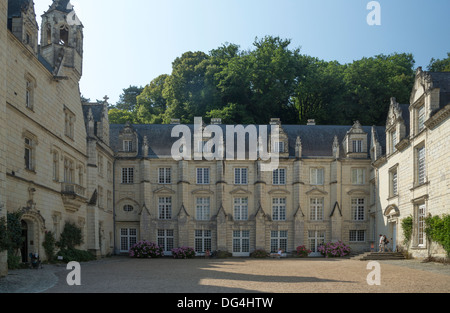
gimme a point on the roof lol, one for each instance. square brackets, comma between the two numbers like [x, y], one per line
[61, 5]
[441, 80]
[317, 141]
[15, 7]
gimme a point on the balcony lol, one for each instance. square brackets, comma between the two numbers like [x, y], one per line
[73, 195]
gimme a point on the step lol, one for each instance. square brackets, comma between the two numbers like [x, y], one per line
[382, 256]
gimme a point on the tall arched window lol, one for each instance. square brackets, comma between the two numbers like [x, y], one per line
[64, 35]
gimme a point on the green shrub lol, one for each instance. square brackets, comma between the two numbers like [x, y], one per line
[259, 254]
[49, 246]
[438, 230]
[70, 237]
[407, 226]
[70, 255]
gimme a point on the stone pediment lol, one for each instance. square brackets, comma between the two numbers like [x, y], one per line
[240, 191]
[164, 190]
[202, 192]
[316, 191]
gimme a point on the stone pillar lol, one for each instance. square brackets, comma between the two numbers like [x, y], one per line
[3, 63]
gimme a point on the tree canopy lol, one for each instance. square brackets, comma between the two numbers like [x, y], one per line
[271, 80]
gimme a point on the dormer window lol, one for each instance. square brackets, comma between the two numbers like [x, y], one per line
[279, 147]
[358, 146]
[127, 145]
[421, 118]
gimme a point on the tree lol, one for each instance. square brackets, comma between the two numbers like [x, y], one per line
[151, 104]
[440, 65]
[117, 116]
[127, 100]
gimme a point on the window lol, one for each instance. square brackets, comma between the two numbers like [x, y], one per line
[165, 175]
[29, 94]
[80, 175]
[358, 176]
[109, 171]
[100, 196]
[28, 154]
[128, 145]
[128, 208]
[357, 236]
[202, 241]
[316, 176]
[69, 171]
[64, 35]
[241, 241]
[278, 240]
[165, 208]
[279, 209]
[55, 166]
[166, 240]
[128, 238]
[394, 183]
[394, 139]
[109, 200]
[202, 209]
[358, 209]
[421, 166]
[421, 118]
[127, 175]
[100, 165]
[279, 147]
[315, 239]
[279, 176]
[316, 209]
[203, 176]
[240, 176]
[241, 209]
[357, 146]
[69, 125]
[421, 224]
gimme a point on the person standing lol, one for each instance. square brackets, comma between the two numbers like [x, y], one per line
[381, 244]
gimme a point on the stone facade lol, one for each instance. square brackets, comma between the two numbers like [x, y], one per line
[322, 194]
[413, 177]
[49, 167]
[3, 131]
[61, 161]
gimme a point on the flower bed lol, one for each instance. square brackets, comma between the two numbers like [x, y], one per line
[183, 253]
[145, 249]
[334, 249]
[302, 252]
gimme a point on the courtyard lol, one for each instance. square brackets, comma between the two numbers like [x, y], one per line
[232, 276]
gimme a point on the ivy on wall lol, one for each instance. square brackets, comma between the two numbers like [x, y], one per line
[438, 230]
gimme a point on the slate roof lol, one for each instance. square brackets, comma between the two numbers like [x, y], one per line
[317, 141]
[441, 80]
[15, 7]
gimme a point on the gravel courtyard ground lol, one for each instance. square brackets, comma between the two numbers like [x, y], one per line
[125, 275]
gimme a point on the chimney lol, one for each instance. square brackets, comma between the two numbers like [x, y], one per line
[216, 121]
[275, 121]
[311, 122]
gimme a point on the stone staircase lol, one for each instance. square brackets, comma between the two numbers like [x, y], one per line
[377, 256]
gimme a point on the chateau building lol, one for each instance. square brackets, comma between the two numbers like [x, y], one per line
[412, 178]
[51, 145]
[61, 161]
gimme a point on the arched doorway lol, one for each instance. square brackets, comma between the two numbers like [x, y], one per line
[392, 214]
[24, 249]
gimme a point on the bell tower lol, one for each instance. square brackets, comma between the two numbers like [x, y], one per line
[62, 39]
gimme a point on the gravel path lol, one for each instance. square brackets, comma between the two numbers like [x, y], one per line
[125, 275]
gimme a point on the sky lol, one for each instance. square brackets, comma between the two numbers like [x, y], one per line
[132, 42]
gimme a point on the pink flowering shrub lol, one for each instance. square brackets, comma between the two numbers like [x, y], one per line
[144, 249]
[183, 253]
[302, 252]
[334, 249]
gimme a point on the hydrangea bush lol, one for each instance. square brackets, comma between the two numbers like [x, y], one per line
[144, 249]
[183, 253]
[302, 252]
[334, 249]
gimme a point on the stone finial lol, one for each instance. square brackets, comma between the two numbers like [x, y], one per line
[298, 148]
[145, 147]
[336, 147]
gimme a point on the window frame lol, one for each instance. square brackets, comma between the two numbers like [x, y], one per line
[203, 176]
[279, 209]
[279, 177]
[202, 208]
[164, 208]
[127, 175]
